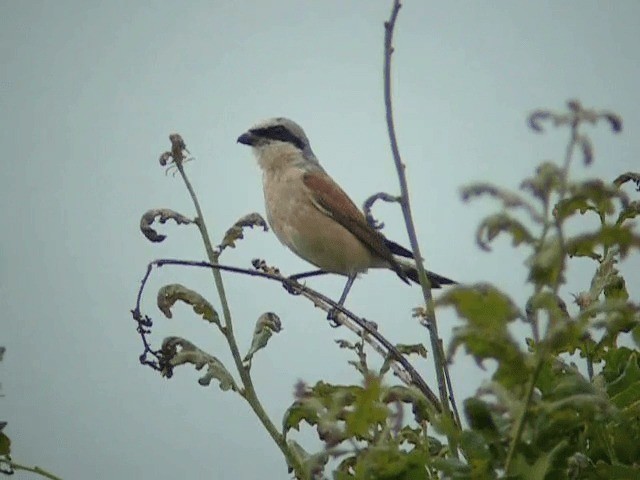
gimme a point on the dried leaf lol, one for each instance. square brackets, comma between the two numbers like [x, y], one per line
[178, 351]
[615, 121]
[415, 349]
[236, 231]
[628, 177]
[536, 117]
[170, 294]
[587, 149]
[164, 214]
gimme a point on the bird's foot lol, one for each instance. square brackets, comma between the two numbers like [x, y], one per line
[292, 286]
[332, 316]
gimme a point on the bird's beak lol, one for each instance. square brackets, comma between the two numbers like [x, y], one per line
[247, 138]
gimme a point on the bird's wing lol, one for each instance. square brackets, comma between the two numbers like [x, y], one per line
[331, 200]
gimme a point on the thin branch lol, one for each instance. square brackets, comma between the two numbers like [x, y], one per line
[368, 205]
[523, 413]
[454, 407]
[576, 116]
[315, 297]
[249, 393]
[38, 470]
[439, 359]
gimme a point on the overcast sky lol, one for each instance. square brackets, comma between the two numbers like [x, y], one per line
[89, 92]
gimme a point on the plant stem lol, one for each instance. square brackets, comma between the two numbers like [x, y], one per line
[523, 413]
[249, 392]
[38, 470]
[439, 360]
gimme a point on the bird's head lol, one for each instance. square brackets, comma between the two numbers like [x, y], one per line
[278, 143]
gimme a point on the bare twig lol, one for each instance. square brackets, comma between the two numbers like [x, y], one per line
[439, 360]
[40, 471]
[368, 204]
[315, 297]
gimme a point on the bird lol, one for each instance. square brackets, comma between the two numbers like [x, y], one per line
[314, 217]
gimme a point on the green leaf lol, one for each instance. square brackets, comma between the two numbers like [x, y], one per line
[482, 305]
[368, 409]
[625, 390]
[540, 468]
[546, 180]
[170, 294]
[5, 445]
[569, 206]
[479, 417]
[267, 324]
[308, 411]
[386, 462]
[592, 195]
[494, 225]
[635, 334]
[545, 263]
[421, 408]
[629, 212]
[617, 472]
[313, 464]
[608, 236]
[478, 454]
[487, 312]
[412, 349]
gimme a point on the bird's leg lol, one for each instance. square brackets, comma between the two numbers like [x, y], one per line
[288, 284]
[312, 273]
[333, 313]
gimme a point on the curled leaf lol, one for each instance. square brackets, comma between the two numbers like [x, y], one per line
[236, 231]
[586, 147]
[267, 324]
[178, 351]
[508, 199]
[164, 214]
[630, 211]
[498, 223]
[615, 121]
[577, 114]
[415, 349]
[628, 177]
[368, 204]
[170, 294]
[536, 117]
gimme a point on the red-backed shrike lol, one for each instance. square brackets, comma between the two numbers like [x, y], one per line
[313, 216]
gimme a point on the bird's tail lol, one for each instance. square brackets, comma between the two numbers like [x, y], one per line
[436, 281]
